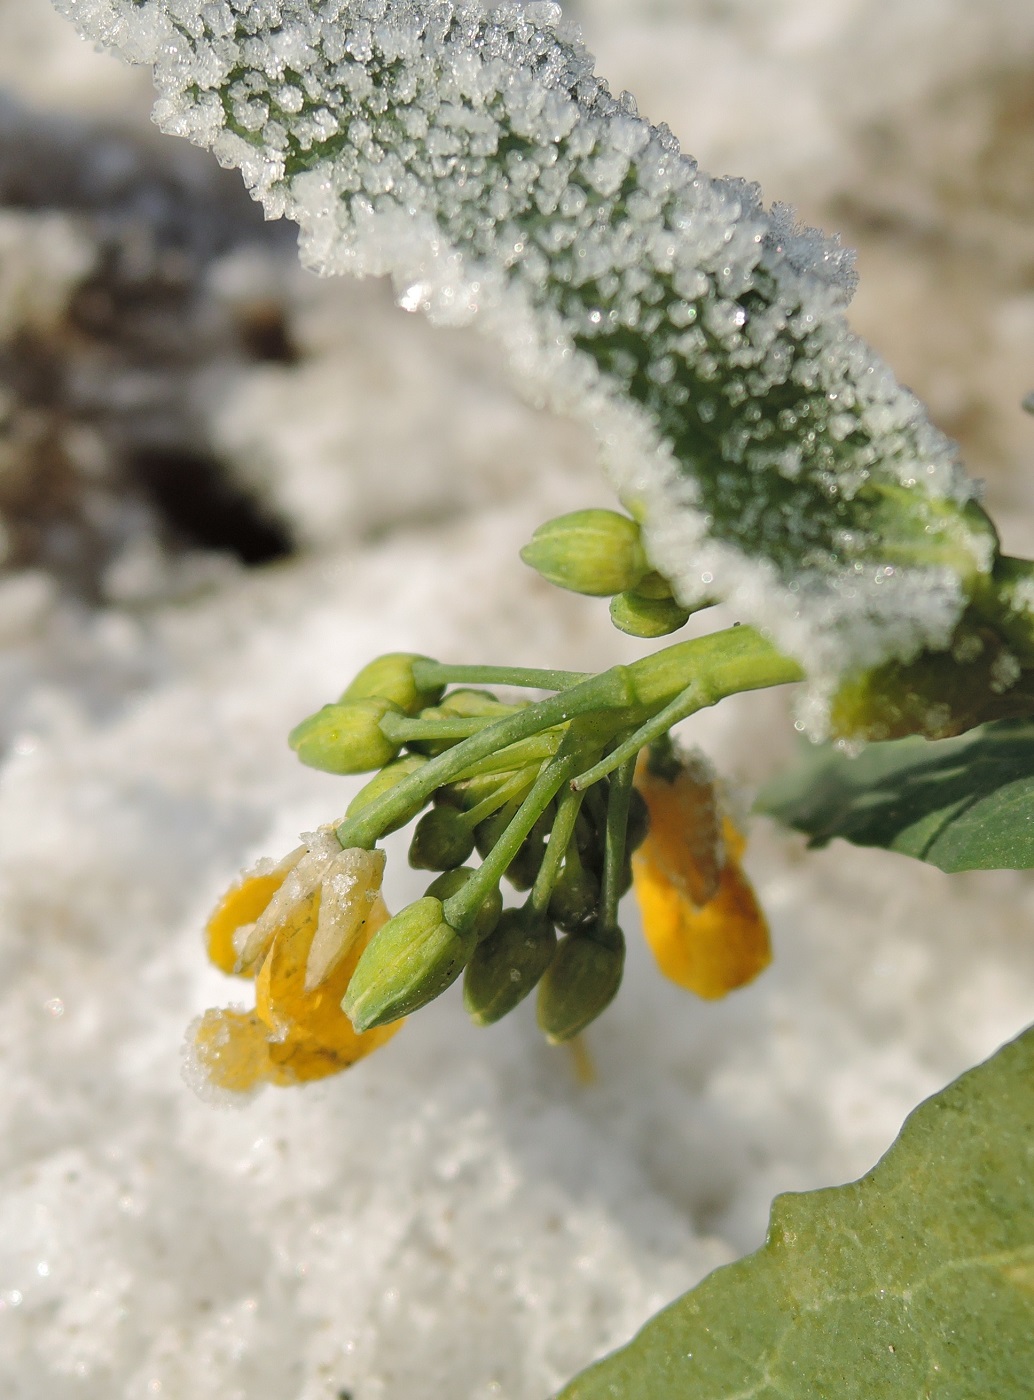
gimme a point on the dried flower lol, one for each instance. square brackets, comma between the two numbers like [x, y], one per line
[299, 928]
[700, 915]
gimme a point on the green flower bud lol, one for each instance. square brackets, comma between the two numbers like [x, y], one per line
[345, 738]
[409, 961]
[579, 983]
[391, 678]
[575, 897]
[589, 841]
[441, 841]
[383, 782]
[468, 792]
[507, 965]
[641, 616]
[475, 704]
[597, 552]
[450, 882]
[653, 585]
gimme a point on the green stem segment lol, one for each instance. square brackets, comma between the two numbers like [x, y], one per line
[429, 675]
[607, 931]
[461, 907]
[694, 674]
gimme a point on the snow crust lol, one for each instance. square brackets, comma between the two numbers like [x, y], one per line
[473, 155]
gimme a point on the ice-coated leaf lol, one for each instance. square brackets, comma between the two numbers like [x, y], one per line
[961, 804]
[914, 1283]
[472, 153]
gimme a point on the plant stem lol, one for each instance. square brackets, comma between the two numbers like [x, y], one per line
[607, 930]
[680, 708]
[559, 840]
[461, 907]
[610, 703]
[430, 674]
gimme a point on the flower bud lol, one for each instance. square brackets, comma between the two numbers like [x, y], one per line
[383, 782]
[450, 882]
[409, 961]
[597, 552]
[640, 616]
[468, 792]
[575, 897]
[507, 965]
[474, 704]
[442, 840]
[390, 677]
[579, 983]
[345, 738]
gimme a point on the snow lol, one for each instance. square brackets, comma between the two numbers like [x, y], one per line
[458, 1215]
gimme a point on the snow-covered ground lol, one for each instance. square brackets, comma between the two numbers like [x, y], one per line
[458, 1216]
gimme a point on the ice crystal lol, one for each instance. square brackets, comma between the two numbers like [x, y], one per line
[473, 155]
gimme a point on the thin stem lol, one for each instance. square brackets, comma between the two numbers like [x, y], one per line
[428, 675]
[402, 729]
[608, 691]
[516, 786]
[680, 708]
[614, 701]
[559, 840]
[607, 931]
[461, 907]
[520, 755]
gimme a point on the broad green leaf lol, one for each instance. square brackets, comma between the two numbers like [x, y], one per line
[470, 151]
[914, 1283]
[961, 804]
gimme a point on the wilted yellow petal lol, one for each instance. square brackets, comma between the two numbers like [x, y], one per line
[349, 893]
[230, 1050]
[685, 836]
[240, 906]
[310, 1036]
[709, 951]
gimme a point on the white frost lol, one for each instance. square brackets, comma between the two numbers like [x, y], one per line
[472, 154]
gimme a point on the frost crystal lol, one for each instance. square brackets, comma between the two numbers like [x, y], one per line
[472, 154]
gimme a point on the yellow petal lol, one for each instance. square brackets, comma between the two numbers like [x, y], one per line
[685, 836]
[240, 906]
[231, 1050]
[709, 951]
[310, 1036]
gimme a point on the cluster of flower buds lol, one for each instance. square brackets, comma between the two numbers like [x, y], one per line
[600, 553]
[514, 809]
[541, 794]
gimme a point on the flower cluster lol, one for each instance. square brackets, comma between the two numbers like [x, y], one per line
[547, 795]
[298, 928]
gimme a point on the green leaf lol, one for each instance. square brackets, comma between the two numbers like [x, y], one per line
[961, 804]
[914, 1283]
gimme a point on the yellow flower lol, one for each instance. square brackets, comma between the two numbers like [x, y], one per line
[298, 927]
[700, 915]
